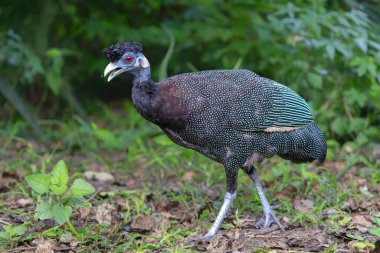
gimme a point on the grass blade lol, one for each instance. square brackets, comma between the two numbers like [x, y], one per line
[13, 98]
[163, 71]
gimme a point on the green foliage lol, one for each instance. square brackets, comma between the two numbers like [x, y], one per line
[61, 206]
[81, 188]
[11, 235]
[376, 220]
[375, 230]
[364, 246]
[40, 183]
[327, 51]
[106, 136]
[12, 232]
[59, 177]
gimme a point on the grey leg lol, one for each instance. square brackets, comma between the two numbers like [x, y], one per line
[269, 216]
[231, 176]
[228, 199]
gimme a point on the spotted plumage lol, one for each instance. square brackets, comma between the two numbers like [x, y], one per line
[235, 112]
[234, 117]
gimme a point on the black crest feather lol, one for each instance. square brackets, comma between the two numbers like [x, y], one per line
[115, 52]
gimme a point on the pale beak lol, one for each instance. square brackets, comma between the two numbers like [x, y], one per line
[113, 70]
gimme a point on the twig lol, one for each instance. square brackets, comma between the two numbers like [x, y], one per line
[95, 193]
[347, 110]
[4, 222]
[269, 236]
[265, 231]
[22, 249]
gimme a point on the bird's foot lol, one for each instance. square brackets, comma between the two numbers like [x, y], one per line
[268, 218]
[205, 238]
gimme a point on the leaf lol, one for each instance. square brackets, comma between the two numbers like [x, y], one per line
[362, 138]
[8, 228]
[361, 220]
[13, 230]
[304, 205]
[357, 124]
[343, 49]
[376, 220]
[163, 140]
[315, 80]
[104, 214]
[145, 222]
[4, 235]
[339, 126]
[362, 69]
[44, 211]
[61, 213]
[330, 51]
[81, 187]
[38, 182]
[363, 245]
[53, 232]
[362, 43]
[18, 230]
[54, 53]
[59, 178]
[355, 237]
[79, 202]
[371, 69]
[345, 220]
[355, 96]
[54, 81]
[374, 231]
[106, 136]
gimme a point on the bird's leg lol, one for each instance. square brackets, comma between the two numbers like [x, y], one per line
[231, 175]
[228, 199]
[269, 216]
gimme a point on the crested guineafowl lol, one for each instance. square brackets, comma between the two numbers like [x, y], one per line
[234, 117]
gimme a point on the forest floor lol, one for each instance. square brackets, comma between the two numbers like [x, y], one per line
[153, 195]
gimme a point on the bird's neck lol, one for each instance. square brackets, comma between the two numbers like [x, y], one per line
[145, 94]
[142, 75]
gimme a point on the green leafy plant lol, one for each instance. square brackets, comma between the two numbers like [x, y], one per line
[375, 230]
[57, 201]
[12, 233]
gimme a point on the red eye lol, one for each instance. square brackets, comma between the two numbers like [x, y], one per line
[128, 59]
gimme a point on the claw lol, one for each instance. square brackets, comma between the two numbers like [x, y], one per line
[268, 218]
[268, 215]
[260, 222]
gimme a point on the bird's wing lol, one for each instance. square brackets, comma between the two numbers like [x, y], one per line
[271, 108]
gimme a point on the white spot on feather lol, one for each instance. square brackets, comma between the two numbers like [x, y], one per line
[279, 129]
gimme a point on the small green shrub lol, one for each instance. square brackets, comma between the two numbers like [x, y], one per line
[12, 233]
[56, 200]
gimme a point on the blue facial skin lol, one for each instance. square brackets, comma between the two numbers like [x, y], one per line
[141, 74]
[122, 63]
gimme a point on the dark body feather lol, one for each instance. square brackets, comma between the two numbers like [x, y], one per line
[234, 117]
[232, 113]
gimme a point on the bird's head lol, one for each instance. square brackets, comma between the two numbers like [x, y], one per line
[124, 57]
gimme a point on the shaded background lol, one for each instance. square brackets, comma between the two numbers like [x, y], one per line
[51, 58]
[55, 105]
